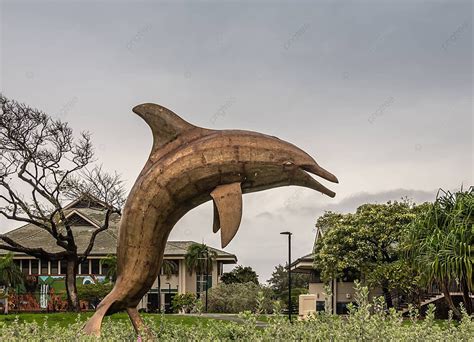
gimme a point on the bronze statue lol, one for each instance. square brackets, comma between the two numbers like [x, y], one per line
[188, 166]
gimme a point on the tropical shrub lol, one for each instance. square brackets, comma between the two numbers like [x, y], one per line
[94, 293]
[184, 302]
[440, 245]
[238, 297]
[365, 322]
[279, 283]
[240, 274]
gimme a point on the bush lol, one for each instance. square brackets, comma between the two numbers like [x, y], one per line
[184, 302]
[93, 293]
[235, 298]
[365, 322]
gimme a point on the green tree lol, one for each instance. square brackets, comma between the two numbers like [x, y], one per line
[168, 268]
[240, 274]
[42, 165]
[110, 261]
[184, 302]
[279, 284]
[367, 241]
[199, 258]
[240, 297]
[10, 275]
[441, 243]
[94, 293]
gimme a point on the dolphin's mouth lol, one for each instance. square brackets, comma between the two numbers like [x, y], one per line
[303, 178]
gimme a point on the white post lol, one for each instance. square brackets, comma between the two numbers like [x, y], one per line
[6, 300]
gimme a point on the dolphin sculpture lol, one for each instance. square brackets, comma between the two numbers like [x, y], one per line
[187, 166]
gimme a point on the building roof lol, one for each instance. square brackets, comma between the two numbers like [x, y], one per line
[85, 217]
[303, 264]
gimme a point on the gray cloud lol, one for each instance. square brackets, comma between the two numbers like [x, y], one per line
[225, 65]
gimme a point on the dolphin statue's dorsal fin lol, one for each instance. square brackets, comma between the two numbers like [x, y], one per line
[165, 125]
[227, 211]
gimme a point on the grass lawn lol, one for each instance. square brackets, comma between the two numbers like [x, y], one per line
[66, 318]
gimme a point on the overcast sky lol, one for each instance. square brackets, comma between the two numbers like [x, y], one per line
[379, 92]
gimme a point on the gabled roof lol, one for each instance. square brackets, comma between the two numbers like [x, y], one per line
[303, 264]
[180, 248]
[86, 216]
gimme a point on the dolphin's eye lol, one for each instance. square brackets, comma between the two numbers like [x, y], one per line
[288, 163]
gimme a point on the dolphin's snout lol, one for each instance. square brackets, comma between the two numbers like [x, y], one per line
[317, 170]
[303, 178]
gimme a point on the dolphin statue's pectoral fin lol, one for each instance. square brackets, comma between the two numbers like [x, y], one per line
[217, 223]
[227, 211]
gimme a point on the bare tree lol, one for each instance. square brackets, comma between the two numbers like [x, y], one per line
[42, 166]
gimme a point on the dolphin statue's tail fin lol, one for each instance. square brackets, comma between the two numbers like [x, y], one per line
[93, 325]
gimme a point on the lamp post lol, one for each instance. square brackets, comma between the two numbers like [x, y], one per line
[159, 291]
[289, 273]
[207, 274]
[169, 296]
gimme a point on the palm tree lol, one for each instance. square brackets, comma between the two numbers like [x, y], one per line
[111, 262]
[199, 258]
[10, 275]
[168, 268]
[442, 242]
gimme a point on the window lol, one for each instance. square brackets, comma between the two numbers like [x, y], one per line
[44, 266]
[25, 266]
[95, 266]
[341, 308]
[315, 276]
[201, 283]
[63, 266]
[54, 267]
[320, 305]
[85, 267]
[105, 269]
[34, 266]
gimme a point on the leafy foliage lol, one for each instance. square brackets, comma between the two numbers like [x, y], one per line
[42, 165]
[200, 257]
[365, 322]
[184, 302]
[10, 273]
[111, 262]
[440, 244]
[169, 267]
[279, 283]
[239, 297]
[240, 274]
[94, 293]
[368, 241]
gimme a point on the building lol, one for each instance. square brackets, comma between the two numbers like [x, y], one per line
[45, 279]
[342, 291]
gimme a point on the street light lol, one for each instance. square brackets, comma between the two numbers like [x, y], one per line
[169, 295]
[289, 272]
[207, 274]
